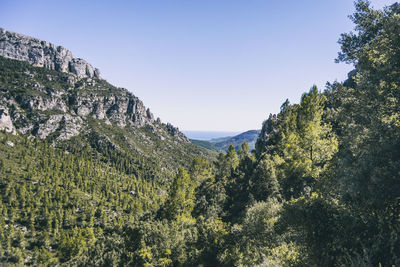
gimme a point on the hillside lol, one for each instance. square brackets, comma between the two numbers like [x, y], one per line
[50, 197]
[64, 105]
[249, 137]
[206, 144]
[79, 157]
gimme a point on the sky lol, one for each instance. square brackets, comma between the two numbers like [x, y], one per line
[210, 65]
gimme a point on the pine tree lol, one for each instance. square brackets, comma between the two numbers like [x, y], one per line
[305, 144]
[180, 201]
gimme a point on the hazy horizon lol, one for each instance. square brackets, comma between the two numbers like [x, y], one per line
[200, 65]
[208, 135]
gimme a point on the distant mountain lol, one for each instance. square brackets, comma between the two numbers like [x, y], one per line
[222, 143]
[208, 135]
[249, 137]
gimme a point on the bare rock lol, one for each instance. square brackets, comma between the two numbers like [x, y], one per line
[66, 126]
[43, 54]
[82, 95]
[10, 144]
[6, 123]
[50, 126]
[72, 127]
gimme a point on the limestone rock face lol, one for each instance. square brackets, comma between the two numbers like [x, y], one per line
[62, 102]
[43, 54]
[66, 126]
[5, 120]
[174, 131]
[66, 112]
[124, 109]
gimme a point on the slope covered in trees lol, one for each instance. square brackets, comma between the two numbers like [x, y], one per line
[55, 204]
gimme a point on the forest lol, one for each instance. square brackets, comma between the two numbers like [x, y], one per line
[321, 187]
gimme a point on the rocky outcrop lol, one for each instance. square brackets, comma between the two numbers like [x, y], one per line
[61, 106]
[65, 125]
[123, 109]
[174, 131]
[6, 123]
[62, 112]
[43, 54]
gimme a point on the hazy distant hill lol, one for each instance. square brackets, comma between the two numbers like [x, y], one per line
[208, 135]
[250, 137]
[222, 143]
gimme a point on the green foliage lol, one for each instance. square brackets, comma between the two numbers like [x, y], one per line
[323, 226]
[303, 145]
[250, 241]
[159, 243]
[51, 198]
[264, 182]
[237, 186]
[359, 201]
[200, 169]
[180, 201]
[206, 144]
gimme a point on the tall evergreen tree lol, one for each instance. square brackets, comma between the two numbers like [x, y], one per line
[305, 144]
[180, 202]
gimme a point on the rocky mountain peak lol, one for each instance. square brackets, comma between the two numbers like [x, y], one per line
[60, 95]
[43, 54]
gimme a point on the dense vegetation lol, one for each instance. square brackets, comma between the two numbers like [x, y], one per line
[55, 204]
[322, 187]
[206, 144]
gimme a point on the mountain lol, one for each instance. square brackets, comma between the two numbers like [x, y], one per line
[79, 157]
[249, 137]
[47, 93]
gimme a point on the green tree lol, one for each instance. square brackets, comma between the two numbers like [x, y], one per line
[200, 169]
[237, 186]
[243, 151]
[368, 121]
[180, 201]
[263, 183]
[306, 145]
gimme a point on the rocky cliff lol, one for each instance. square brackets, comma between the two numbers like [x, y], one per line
[61, 94]
[43, 54]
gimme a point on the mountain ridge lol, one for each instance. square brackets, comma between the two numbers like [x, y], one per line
[52, 103]
[81, 76]
[44, 54]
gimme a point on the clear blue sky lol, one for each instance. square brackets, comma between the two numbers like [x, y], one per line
[214, 65]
